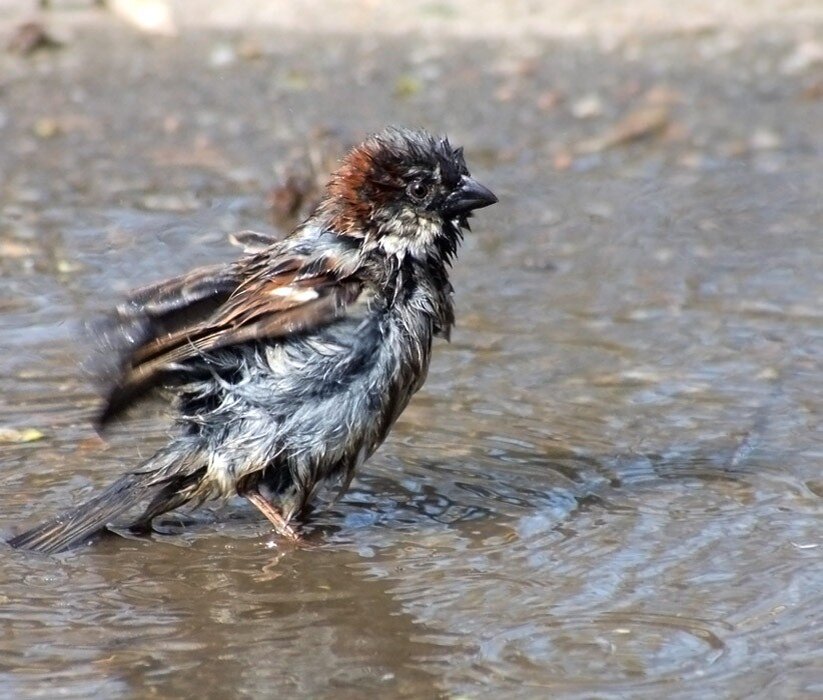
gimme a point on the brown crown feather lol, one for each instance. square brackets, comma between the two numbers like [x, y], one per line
[361, 185]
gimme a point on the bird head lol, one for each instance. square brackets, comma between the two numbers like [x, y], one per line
[404, 192]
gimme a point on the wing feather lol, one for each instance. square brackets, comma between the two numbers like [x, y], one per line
[163, 327]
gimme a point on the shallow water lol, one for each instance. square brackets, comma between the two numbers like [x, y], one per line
[610, 485]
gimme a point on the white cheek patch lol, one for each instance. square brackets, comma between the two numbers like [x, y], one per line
[429, 230]
[393, 244]
[411, 238]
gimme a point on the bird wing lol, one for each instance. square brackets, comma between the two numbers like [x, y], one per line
[152, 312]
[163, 327]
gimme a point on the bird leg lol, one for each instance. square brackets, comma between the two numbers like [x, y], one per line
[273, 515]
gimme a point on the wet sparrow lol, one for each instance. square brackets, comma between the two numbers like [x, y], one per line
[289, 366]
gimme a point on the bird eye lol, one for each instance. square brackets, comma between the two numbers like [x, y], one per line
[418, 190]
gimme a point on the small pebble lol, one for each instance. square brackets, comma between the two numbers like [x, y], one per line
[587, 107]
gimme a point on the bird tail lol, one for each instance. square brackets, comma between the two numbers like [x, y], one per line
[155, 479]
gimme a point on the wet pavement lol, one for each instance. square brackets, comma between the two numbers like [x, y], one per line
[610, 485]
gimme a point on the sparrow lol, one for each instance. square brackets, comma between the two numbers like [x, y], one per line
[289, 366]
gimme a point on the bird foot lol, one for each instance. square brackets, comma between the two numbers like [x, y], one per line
[273, 515]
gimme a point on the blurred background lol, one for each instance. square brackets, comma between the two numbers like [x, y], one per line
[611, 484]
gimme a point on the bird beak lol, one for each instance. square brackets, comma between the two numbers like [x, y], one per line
[469, 195]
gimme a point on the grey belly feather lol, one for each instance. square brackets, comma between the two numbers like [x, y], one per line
[297, 413]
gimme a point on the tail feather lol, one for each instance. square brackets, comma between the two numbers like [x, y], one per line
[75, 526]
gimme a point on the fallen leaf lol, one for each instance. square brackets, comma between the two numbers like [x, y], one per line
[407, 86]
[46, 128]
[643, 123]
[19, 435]
[30, 37]
[286, 198]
